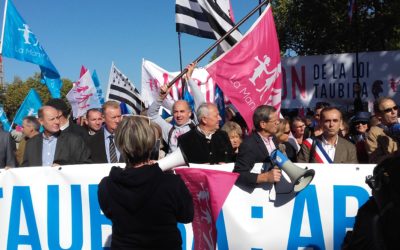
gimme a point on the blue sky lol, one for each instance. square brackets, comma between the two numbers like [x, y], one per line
[96, 32]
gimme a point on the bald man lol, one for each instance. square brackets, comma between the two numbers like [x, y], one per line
[181, 112]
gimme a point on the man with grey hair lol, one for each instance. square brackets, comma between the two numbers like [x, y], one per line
[30, 128]
[257, 148]
[206, 143]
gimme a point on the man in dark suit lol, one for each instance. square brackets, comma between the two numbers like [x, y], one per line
[101, 144]
[66, 125]
[333, 148]
[257, 148]
[7, 156]
[53, 147]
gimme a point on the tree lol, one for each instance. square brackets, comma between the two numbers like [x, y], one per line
[313, 27]
[17, 91]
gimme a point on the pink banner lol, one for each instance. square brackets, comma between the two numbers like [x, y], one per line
[250, 74]
[209, 189]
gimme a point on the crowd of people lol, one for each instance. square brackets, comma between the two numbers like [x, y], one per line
[106, 136]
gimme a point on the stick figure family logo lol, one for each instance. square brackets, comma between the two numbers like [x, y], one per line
[32, 112]
[26, 33]
[272, 75]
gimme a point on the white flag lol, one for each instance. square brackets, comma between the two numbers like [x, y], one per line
[83, 95]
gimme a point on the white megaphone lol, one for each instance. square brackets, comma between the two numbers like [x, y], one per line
[173, 160]
[299, 177]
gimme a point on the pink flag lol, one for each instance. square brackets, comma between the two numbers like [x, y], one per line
[250, 73]
[83, 71]
[209, 189]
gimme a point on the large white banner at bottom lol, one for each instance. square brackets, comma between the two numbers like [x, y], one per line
[51, 208]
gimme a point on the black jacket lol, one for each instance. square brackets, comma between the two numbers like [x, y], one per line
[144, 205]
[198, 149]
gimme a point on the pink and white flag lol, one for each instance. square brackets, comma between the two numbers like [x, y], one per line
[209, 189]
[250, 74]
[83, 95]
[153, 77]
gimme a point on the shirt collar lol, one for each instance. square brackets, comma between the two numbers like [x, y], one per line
[325, 142]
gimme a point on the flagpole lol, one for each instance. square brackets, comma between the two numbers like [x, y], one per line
[180, 95]
[218, 41]
[109, 79]
[4, 25]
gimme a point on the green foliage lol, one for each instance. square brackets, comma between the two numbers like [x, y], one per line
[313, 27]
[17, 91]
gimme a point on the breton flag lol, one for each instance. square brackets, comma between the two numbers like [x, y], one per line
[19, 42]
[206, 18]
[250, 74]
[122, 90]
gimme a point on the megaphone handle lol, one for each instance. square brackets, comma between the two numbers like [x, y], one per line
[272, 193]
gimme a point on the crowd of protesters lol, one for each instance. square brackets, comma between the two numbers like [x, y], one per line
[323, 135]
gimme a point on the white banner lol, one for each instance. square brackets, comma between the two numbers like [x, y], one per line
[330, 78]
[51, 208]
[153, 77]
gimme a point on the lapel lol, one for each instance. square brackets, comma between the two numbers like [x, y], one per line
[340, 152]
[261, 146]
[38, 143]
[60, 141]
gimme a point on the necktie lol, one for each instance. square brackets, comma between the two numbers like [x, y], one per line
[113, 153]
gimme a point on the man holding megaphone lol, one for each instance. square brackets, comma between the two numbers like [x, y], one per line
[258, 147]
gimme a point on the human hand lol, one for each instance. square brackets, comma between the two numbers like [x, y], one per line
[190, 68]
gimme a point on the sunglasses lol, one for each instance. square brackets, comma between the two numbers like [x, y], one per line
[287, 132]
[388, 110]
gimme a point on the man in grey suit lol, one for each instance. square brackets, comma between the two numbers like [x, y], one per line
[334, 148]
[7, 156]
[53, 147]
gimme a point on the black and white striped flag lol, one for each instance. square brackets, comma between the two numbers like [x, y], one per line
[122, 90]
[206, 18]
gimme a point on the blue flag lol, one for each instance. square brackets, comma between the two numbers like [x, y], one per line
[220, 102]
[30, 106]
[96, 82]
[20, 43]
[189, 98]
[124, 108]
[54, 85]
[4, 120]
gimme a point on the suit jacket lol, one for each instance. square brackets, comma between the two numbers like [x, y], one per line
[251, 151]
[77, 130]
[70, 149]
[7, 156]
[380, 145]
[345, 152]
[97, 148]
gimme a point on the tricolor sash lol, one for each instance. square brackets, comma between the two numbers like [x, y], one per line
[320, 155]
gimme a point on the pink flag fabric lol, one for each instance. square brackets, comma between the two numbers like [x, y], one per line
[250, 74]
[209, 189]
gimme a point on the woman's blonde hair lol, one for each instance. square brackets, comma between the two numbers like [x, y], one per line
[230, 127]
[135, 139]
[281, 127]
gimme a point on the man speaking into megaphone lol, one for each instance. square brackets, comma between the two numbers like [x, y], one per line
[258, 147]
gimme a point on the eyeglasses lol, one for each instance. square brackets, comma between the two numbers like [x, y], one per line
[388, 110]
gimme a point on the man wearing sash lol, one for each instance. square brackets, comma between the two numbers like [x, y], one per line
[328, 147]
